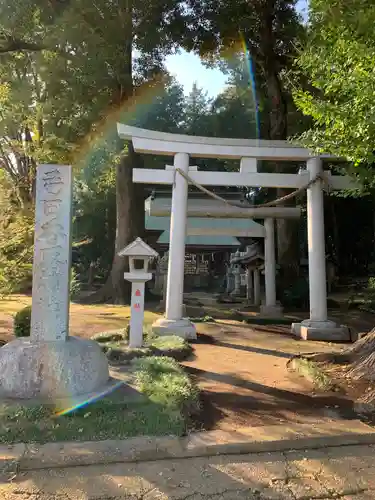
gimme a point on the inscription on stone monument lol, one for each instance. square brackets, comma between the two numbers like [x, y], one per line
[52, 252]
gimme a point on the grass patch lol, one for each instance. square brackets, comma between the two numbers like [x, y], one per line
[111, 336]
[171, 346]
[170, 398]
[312, 372]
[166, 383]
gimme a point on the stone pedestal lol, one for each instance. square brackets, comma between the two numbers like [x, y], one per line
[327, 331]
[50, 370]
[182, 328]
[275, 311]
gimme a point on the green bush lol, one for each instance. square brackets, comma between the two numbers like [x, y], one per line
[75, 285]
[371, 283]
[22, 322]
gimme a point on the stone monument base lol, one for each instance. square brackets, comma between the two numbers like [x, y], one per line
[275, 311]
[327, 331]
[51, 370]
[182, 328]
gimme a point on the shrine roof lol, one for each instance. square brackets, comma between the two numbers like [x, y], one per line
[203, 241]
[200, 226]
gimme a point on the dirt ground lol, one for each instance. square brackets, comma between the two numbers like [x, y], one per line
[85, 320]
[242, 373]
[240, 369]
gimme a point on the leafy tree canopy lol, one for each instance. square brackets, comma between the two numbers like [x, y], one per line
[339, 60]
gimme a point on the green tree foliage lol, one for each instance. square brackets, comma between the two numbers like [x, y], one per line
[269, 32]
[16, 241]
[267, 29]
[197, 112]
[85, 64]
[338, 61]
[95, 189]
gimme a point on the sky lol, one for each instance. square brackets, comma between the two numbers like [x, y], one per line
[188, 69]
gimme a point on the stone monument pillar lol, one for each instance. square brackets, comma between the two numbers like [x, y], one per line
[50, 364]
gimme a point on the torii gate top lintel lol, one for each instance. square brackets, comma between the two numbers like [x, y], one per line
[162, 143]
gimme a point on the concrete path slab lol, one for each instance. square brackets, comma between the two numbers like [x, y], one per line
[341, 472]
[246, 440]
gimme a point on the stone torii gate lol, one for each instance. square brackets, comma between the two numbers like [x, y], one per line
[181, 147]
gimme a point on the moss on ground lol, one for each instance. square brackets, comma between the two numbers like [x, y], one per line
[169, 398]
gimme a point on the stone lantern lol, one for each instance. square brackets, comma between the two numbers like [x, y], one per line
[140, 255]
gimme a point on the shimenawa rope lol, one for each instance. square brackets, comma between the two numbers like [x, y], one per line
[273, 203]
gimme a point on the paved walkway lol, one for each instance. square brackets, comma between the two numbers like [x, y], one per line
[343, 472]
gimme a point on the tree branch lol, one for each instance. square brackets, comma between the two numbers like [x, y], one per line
[20, 46]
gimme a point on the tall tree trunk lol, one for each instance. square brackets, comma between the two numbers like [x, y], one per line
[287, 229]
[130, 215]
[129, 221]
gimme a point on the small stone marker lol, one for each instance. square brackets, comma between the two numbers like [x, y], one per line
[137, 251]
[52, 250]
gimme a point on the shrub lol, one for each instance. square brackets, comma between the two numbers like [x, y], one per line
[75, 285]
[371, 284]
[22, 322]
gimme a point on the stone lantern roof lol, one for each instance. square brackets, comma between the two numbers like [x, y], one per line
[138, 248]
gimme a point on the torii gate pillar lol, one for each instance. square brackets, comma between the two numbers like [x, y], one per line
[271, 308]
[317, 327]
[173, 323]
